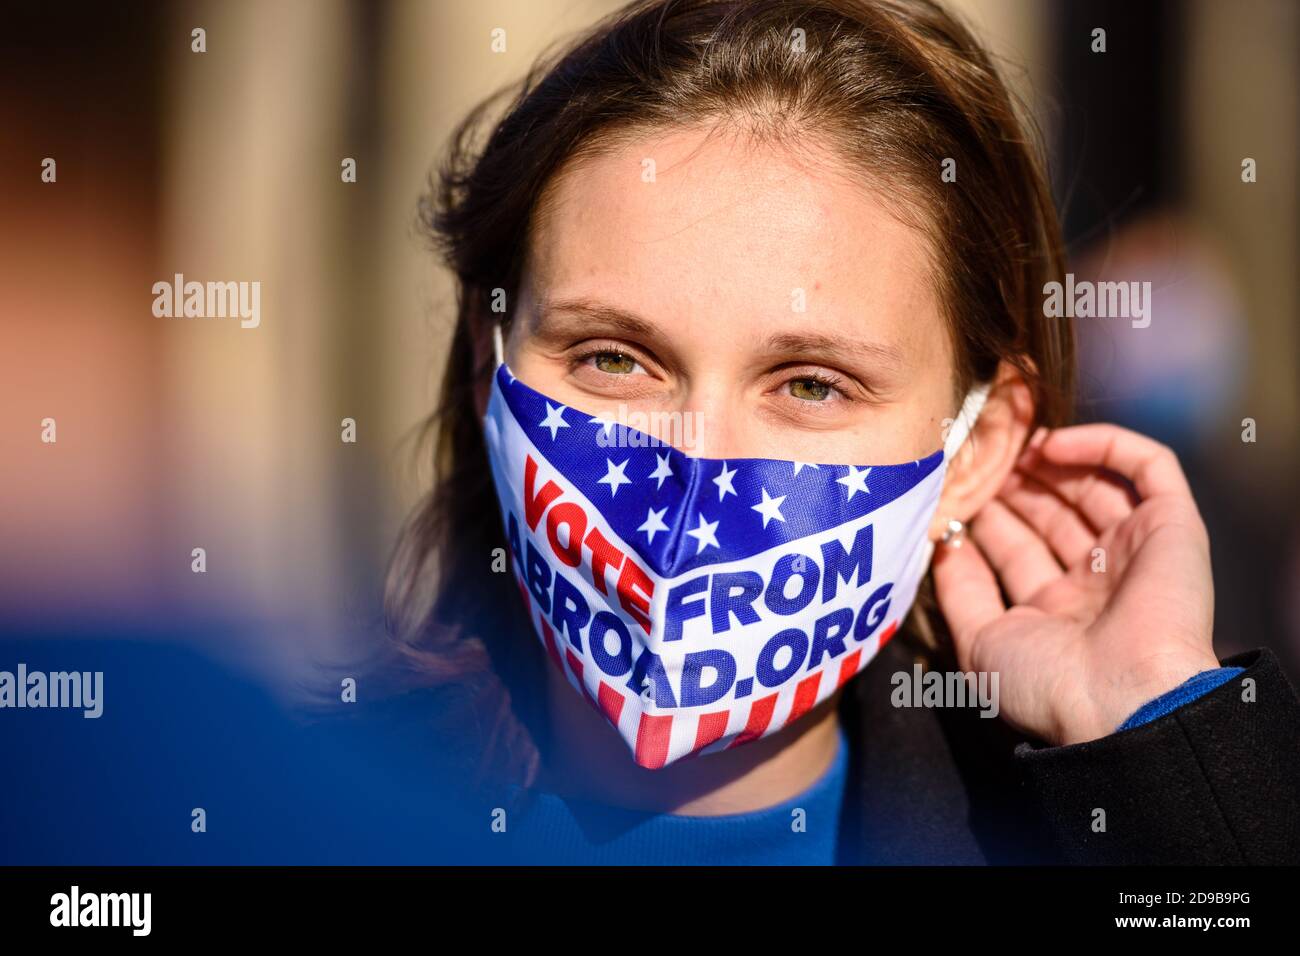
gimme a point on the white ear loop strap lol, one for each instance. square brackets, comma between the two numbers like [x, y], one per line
[957, 435]
[498, 343]
[965, 420]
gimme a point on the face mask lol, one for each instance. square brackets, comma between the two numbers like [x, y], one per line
[697, 603]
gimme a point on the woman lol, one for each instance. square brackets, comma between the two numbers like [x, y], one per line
[810, 228]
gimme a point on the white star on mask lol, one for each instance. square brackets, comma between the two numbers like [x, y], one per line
[705, 534]
[554, 419]
[855, 481]
[662, 470]
[654, 523]
[770, 508]
[603, 422]
[614, 476]
[723, 481]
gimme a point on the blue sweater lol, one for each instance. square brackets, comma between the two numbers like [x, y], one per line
[560, 830]
[802, 830]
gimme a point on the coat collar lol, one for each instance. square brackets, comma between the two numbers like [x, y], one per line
[930, 785]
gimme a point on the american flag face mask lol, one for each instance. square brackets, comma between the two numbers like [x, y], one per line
[696, 603]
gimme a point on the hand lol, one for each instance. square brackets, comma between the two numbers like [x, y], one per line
[1112, 597]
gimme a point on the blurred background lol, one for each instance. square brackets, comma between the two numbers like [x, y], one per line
[175, 434]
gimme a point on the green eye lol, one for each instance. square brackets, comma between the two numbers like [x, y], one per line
[615, 363]
[809, 389]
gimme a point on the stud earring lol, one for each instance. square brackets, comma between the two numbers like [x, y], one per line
[953, 534]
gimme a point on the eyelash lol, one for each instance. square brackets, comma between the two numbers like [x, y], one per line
[591, 352]
[831, 381]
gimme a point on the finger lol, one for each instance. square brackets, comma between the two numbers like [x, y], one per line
[1018, 555]
[1102, 497]
[967, 591]
[1070, 538]
[1152, 467]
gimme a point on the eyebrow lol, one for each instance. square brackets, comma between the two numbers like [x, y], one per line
[608, 315]
[798, 344]
[821, 343]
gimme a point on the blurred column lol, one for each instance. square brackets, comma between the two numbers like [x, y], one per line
[252, 192]
[1242, 101]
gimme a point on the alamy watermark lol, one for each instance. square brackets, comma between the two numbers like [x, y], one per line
[681, 430]
[209, 300]
[1098, 300]
[83, 690]
[76, 908]
[946, 689]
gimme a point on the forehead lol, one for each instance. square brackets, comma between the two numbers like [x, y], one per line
[702, 222]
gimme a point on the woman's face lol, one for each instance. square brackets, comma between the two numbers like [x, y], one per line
[757, 290]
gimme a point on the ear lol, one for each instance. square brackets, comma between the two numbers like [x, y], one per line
[989, 453]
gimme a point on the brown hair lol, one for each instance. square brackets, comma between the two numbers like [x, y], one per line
[897, 86]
